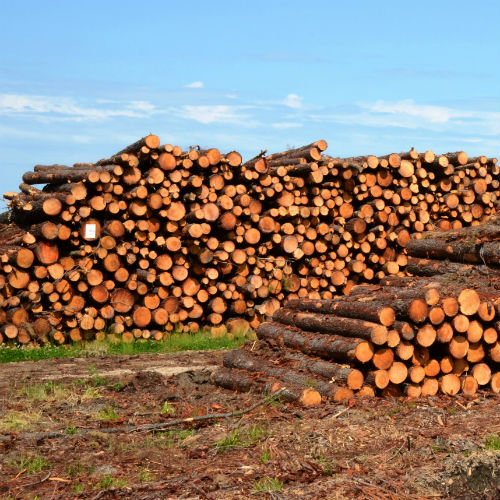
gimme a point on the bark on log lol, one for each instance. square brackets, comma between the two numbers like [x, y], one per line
[348, 327]
[330, 347]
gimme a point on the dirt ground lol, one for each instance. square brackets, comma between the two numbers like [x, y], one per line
[364, 449]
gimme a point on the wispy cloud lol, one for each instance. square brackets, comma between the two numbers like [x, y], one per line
[408, 108]
[64, 107]
[145, 106]
[194, 85]
[410, 115]
[216, 114]
[293, 101]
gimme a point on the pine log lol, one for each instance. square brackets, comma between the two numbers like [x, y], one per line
[329, 324]
[350, 309]
[330, 347]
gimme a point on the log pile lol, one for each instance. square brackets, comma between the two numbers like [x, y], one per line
[155, 239]
[437, 330]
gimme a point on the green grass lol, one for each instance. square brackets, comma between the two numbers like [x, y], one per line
[110, 482]
[91, 393]
[78, 488]
[108, 413]
[167, 409]
[19, 420]
[232, 440]
[145, 475]
[265, 456]
[267, 484]
[74, 469]
[47, 391]
[162, 440]
[200, 341]
[17, 353]
[242, 438]
[493, 442]
[31, 464]
[327, 466]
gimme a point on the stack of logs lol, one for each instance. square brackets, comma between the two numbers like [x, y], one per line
[155, 239]
[436, 331]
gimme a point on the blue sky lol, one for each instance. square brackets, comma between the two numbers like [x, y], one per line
[80, 80]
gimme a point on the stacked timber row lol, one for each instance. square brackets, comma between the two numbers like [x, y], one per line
[436, 331]
[155, 239]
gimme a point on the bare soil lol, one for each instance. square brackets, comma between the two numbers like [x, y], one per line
[365, 448]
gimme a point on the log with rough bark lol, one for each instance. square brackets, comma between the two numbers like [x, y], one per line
[330, 324]
[477, 244]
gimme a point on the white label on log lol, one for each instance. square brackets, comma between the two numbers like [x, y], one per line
[90, 231]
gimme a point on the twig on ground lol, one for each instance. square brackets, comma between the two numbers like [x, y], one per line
[333, 417]
[211, 416]
[36, 482]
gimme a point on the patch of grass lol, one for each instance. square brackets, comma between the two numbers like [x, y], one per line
[327, 468]
[183, 433]
[167, 409]
[74, 469]
[20, 420]
[492, 442]
[31, 464]
[255, 433]
[14, 353]
[78, 488]
[48, 391]
[117, 386]
[199, 341]
[267, 484]
[265, 456]
[110, 482]
[91, 393]
[95, 379]
[232, 440]
[70, 431]
[242, 438]
[145, 475]
[131, 445]
[169, 438]
[107, 413]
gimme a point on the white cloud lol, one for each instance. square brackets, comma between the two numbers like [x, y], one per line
[432, 114]
[293, 101]
[216, 114]
[142, 106]
[67, 108]
[194, 85]
[410, 115]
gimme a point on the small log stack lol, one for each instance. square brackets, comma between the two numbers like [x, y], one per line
[155, 239]
[414, 335]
